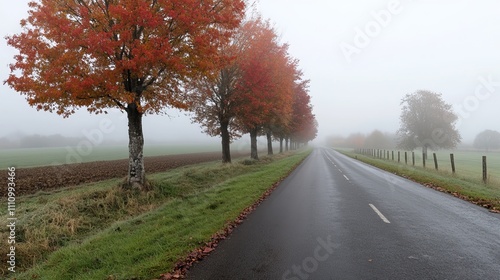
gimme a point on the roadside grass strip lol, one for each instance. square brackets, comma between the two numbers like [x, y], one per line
[143, 235]
[472, 190]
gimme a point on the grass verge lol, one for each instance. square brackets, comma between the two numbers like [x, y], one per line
[99, 231]
[472, 190]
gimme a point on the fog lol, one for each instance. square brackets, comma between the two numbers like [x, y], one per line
[361, 56]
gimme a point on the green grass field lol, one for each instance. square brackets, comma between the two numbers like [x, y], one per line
[100, 231]
[21, 158]
[468, 164]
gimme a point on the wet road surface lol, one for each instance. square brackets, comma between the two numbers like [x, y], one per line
[337, 218]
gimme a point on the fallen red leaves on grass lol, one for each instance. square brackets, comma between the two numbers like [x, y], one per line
[480, 202]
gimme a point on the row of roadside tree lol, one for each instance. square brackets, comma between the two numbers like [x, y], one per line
[144, 57]
[259, 91]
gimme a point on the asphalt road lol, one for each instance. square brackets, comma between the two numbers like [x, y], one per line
[337, 218]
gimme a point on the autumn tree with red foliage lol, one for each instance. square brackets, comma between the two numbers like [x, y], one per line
[265, 88]
[214, 106]
[252, 89]
[285, 75]
[134, 55]
[213, 95]
[303, 127]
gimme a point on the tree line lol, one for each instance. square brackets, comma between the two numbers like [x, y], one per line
[260, 91]
[145, 56]
[427, 122]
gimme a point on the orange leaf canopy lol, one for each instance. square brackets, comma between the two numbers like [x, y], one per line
[111, 53]
[268, 75]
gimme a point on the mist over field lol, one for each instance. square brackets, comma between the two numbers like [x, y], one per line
[361, 58]
[136, 136]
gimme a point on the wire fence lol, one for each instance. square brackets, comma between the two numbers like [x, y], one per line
[472, 165]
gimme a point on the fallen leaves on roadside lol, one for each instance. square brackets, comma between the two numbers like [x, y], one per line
[182, 266]
[479, 202]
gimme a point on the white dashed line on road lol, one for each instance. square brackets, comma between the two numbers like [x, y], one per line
[380, 214]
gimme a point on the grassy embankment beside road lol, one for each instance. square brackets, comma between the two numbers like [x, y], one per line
[99, 231]
[466, 183]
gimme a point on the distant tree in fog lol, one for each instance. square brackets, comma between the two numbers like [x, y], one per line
[487, 140]
[378, 140]
[427, 122]
[355, 140]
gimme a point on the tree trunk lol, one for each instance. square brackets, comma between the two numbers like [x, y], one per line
[286, 144]
[269, 144]
[226, 142]
[424, 152]
[281, 145]
[253, 144]
[136, 177]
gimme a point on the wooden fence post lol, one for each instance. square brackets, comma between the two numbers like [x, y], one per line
[435, 161]
[393, 155]
[423, 159]
[485, 170]
[406, 158]
[413, 158]
[452, 159]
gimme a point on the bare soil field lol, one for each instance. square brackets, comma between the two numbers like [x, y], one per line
[47, 178]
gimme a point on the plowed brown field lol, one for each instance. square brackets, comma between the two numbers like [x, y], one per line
[32, 180]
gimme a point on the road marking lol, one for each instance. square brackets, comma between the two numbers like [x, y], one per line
[331, 160]
[346, 177]
[380, 214]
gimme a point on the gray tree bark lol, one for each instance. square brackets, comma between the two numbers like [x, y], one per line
[226, 142]
[424, 152]
[269, 143]
[253, 144]
[136, 177]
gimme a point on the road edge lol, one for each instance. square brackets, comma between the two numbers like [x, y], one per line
[184, 264]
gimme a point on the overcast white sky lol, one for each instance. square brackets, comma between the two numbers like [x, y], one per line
[362, 57]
